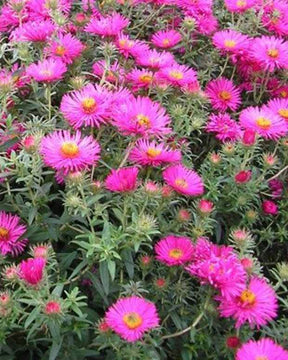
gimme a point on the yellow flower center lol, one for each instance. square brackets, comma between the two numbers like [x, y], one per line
[181, 183]
[89, 105]
[178, 75]
[143, 120]
[241, 3]
[247, 297]
[145, 78]
[46, 72]
[263, 123]
[262, 358]
[151, 152]
[3, 233]
[225, 95]
[132, 320]
[176, 253]
[124, 43]
[283, 113]
[166, 42]
[70, 149]
[230, 43]
[273, 53]
[60, 50]
[283, 93]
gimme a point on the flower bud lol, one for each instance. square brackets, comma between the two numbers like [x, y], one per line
[41, 251]
[269, 160]
[215, 158]
[243, 176]
[249, 137]
[151, 188]
[247, 264]
[29, 143]
[183, 215]
[52, 307]
[205, 206]
[269, 207]
[233, 342]
[160, 283]
[146, 261]
[228, 148]
[103, 327]
[5, 299]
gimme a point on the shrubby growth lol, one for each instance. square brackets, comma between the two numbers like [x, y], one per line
[143, 179]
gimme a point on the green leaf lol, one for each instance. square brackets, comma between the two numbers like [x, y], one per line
[104, 276]
[112, 268]
[55, 348]
[127, 257]
[78, 268]
[32, 316]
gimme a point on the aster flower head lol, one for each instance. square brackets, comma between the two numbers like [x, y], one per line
[183, 180]
[128, 46]
[141, 116]
[174, 250]
[49, 70]
[140, 79]
[155, 59]
[270, 52]
[10, 232]
[262, 349]
[223, 94]
[122, 180]
[67, 153]
[166, 39]
[230, 41]
[110, 25]
[66, 47]
[262, 120]
[89, 106]
[131, 317]
[176, 75]
[239, 6]
[256, 304]
[279, 107]
[113, 72]
[275, 17]
[152, 153]
[31, 270]
[34, 31]
[225, 128]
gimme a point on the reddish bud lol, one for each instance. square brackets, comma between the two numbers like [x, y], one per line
[249, 137]
[103, 327]
[183, 215]
[247, 264]
[243, 176]
[160, 283]
[269, 207]
[29, 143]
[233, 342]
[52, 307]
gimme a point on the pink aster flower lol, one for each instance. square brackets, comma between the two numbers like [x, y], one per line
[223, 94]
[48, 70]
[166, 39]
[270, 52]
[35, 31]
[176, 75]
[275, 17]
[86, 107]
[113, 72]
[67, 153]
[128, 46]
[154, 59]
[231, 41]
[141, 116]
[279, 107]
[257, 304]
[263, 121]
[183, 180]
[174, 250]
[218, 266]
[225, 128]
[31, 270]
[150, 153]
[110, 25]
[240, 6]
[66, 47]
[131, 317]
[262, 349]
[140, 79]
[122, 180]
[10, 233]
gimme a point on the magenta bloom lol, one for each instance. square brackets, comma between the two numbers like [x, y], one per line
[131, 317]
[218, 266]
[128, 46]
[141, 116]
[262, 349]
[275, 17]
[110, 25]
[66, 47]
[140, 79]
[270, 52]
[69, 153]
[279, 107]
[269, 207]
[239, 6]
[176, 75]
[223, 94]
[89, 106]
[122, 180]
[257, 304]
[225, 128]
[183, 180]
[113, 72]
[10, 233]
[155, 59]
[48, 70]
[263, 121]
[31, 270]
[35, 31]
[174, 250]
[150, 153]
[231, 41]
[166, 39]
